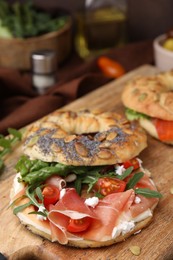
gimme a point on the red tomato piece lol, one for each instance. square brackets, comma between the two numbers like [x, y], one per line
[110, 68]
[133, 162]
[107, 185]
[50, 194]
[78, 225]
[164, 129]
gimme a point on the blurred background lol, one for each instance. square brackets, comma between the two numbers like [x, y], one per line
[100, 25]
[76, 34]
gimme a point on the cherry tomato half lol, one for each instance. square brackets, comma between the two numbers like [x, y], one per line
[110, 68]
[107, 185]
[78, 225]
[50, 194]
[133, 162]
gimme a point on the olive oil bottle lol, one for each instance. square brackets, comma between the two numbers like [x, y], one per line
[99, 30]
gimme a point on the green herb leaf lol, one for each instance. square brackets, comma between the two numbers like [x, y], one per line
[38, 213]
[22, 207]
[134, 180]
[7, 143]
[134, 115]
[39, 193]
[125, 173]
[148, 193]
[31, 195]
[15, 133]
[16, 200]
[23, 20]
[99, 195]
[1, 164]
[78, 185]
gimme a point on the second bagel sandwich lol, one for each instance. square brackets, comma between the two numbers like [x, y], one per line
[149, 99]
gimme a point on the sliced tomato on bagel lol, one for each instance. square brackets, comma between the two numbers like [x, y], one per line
[164, 129]
[50, 194]
[78, 225]
[133, 162]
[107, 185]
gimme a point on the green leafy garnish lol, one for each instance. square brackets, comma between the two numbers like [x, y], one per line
[148, 193]
[31, 194]
[22, 207]
[23, 20]
[126, 173]
[7, 143]
[134, 115]
[39, 193]
[134, 180]
[35, 172]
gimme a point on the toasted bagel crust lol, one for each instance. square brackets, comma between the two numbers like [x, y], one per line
[85, 138]
[152, 95]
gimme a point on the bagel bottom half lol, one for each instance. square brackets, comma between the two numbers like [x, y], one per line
[84, 243]
[42, 228]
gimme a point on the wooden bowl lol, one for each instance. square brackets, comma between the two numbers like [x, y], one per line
[16, 53]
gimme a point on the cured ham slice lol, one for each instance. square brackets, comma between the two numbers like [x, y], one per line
[57, 181]
[105, 215]
[70, 206]
[145, 203]
[109, 211]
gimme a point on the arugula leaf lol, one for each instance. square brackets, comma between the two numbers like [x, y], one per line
[91, 181]
[22, 207]
[78, 185]
[1, 164]
[39, 194]
[126, 173]
[148, 193]
[31, 194]
[17, 134]
[38, 213]
[7, 143]
[134, 180]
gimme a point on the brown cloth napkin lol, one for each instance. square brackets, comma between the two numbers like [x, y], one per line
[21, 105]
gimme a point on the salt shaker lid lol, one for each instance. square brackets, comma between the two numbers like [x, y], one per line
[44, 61]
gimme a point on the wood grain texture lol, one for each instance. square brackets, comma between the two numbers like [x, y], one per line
[155, 241]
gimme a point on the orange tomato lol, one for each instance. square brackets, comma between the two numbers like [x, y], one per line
[164, 129]
[110, 68]
[133, 162]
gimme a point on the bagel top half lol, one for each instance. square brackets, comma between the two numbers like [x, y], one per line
[84, 138]
[152, 95]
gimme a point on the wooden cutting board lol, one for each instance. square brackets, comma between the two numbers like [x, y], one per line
[155, 241]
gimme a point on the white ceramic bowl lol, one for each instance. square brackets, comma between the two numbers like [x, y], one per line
[163, 57]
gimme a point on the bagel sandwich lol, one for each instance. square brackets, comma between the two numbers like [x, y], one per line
[80, 182]
[149, 99]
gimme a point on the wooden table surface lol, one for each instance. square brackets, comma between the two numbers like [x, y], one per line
[155, 241]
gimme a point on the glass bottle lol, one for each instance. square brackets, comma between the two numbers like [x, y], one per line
[101, 26]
